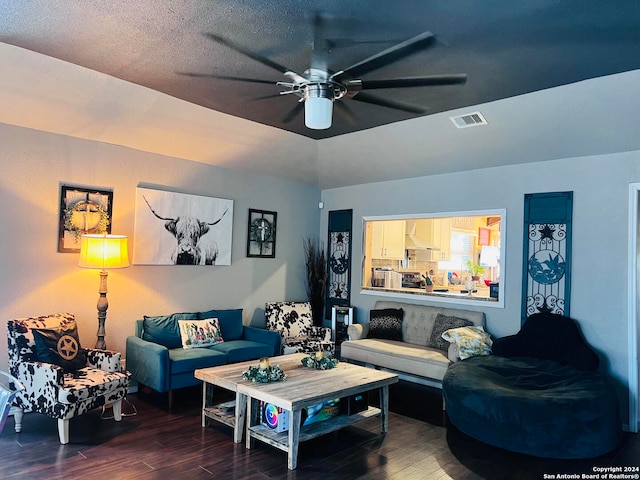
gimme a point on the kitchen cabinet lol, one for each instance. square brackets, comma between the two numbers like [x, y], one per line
[387, 239]
[436, 232]
[443, 235]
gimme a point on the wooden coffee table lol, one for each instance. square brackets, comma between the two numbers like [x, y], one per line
[228, 377]
[305, 387]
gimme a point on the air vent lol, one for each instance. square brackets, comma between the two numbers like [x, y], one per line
[474, 119]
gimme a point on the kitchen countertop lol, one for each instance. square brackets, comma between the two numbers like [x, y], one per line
[454, 292]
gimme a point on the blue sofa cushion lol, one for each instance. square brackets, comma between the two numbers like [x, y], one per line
[230, 322]
[183, 361]
[163, 329]
[243, 350]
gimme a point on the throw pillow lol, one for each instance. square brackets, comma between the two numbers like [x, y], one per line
[386, 323]
[60, 346]
[471, 341]
[441, 325]
[200, 333]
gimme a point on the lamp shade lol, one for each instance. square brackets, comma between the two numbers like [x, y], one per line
[104, 251]
[317, 113]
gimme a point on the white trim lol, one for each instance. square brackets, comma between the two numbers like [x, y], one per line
[466, 213]
[634, 198]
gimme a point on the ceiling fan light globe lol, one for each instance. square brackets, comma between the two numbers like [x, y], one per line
[318, 112]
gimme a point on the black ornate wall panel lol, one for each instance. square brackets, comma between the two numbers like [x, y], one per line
[546, 284]
[339, 257]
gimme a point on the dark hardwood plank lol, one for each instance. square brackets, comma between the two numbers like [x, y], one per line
[159, 443]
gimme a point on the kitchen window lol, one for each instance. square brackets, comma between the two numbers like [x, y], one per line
[460, 252]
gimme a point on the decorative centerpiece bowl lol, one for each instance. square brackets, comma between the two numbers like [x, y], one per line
[264, 373]
[319, 361]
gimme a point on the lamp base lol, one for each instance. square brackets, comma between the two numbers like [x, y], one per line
[103, 304]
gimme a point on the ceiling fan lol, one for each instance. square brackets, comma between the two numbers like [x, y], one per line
[318, 87]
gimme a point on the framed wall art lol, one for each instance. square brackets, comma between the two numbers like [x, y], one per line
[82, 210]
[181, 229]
[261, 234]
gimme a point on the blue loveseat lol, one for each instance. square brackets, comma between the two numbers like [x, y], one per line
[156, 358]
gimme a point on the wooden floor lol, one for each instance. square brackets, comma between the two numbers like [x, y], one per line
[160, 444]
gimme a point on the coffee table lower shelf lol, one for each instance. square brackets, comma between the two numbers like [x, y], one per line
[219, 414]
[308, 432]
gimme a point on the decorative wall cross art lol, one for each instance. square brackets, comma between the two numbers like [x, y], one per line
[261, 234]
[82, 210]
[180, 229]
[546, 285]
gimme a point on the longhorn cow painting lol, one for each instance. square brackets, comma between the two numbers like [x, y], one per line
[180, 229]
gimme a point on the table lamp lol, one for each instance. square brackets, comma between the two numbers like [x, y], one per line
[103, 252]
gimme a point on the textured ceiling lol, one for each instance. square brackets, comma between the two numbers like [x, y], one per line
[507, 48]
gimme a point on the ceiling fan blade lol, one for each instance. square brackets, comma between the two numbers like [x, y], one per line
[383, 102]
[427, 81]
[295, 111]
[320, 51]
[229, 77]
[248, 53]
[349, 42]
[390, 55]
[266, 97]
[345, 111]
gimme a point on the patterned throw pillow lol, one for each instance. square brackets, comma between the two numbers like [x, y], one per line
[441, 325]
[386, 323]
[200, 333]
[471, 341]
[60, 346]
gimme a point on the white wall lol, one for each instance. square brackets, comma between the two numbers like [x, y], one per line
[600, 223]
[36, 279]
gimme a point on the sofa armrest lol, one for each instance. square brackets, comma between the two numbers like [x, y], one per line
[54, 374]
[105, 360]
[357, 331]
[148, 363]
[39, 379]
[269, 337]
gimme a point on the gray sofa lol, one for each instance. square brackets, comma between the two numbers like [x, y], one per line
[411, 357]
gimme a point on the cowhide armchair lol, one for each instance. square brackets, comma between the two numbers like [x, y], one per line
[51, 390]
[294, 323]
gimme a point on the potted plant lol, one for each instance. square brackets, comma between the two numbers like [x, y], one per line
[317, 274]
[428, 283]
[474, 270]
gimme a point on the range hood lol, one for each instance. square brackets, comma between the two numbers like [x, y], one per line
[413, 242]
